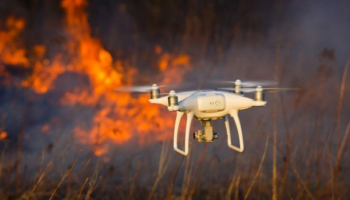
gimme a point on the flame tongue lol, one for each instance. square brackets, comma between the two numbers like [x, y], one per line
[10, 52]
[118, 117]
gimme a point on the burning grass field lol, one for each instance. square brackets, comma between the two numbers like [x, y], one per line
[65, 133]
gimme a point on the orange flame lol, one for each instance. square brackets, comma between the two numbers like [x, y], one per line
[3, 135]
[10, 52]
[119, 116]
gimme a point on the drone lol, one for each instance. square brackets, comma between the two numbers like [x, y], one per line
[208, 105]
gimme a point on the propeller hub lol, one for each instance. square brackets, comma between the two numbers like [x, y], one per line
[259, 89]
[154, 87]
[172, 93]
[238, 82]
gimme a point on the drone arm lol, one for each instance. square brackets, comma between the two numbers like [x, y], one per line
[176, 130]
[234, 115]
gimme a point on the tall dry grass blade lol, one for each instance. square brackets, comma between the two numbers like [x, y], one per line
[300, 179]
[93, 182]
[330, 161]
[230, 188]
[65, 175]
[342, 146]
[187, 176]
[238, 181]
[164, 162]
[132, 186]
[285, 171]
[259, 168]
[341, 97]
[170, 191]
[3, 153]
[274, 152]
[48, 166]
[198, 170]
[82, 188]
[43, 153]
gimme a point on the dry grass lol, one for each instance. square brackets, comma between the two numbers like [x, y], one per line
[305, 173]
[311, 168]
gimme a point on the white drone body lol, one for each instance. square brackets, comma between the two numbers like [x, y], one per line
[207, 105]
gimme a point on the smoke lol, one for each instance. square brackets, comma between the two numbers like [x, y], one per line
[171, 41]
[315, 25]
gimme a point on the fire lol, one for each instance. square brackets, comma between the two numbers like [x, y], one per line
[44, 74]
[10, 52]
[167, 63]
[3, 135]
[118, 117]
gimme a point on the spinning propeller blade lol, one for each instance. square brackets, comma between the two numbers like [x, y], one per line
[138, 88]
[248, 83]
[242, 89]
[250, 90]
[273, 90]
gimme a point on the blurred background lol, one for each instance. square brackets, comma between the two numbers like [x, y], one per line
[65, 133]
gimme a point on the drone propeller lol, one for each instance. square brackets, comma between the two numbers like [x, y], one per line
[259, 91]
[248, 83]
[271, 90]
[233, 89]
[139, 88]
[274, 90]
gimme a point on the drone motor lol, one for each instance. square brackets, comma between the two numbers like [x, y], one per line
[259, 94]
[173, 99]
[237, 88]
[155, 92]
